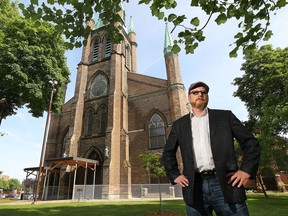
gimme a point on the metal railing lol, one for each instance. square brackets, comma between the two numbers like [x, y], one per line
[134, 191]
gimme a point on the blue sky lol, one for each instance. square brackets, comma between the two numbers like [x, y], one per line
[21, 146]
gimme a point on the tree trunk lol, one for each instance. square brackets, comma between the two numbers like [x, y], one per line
[260, 180]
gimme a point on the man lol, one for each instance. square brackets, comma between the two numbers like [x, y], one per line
[211, 179]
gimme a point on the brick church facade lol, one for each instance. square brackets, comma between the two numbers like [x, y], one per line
[116, 113]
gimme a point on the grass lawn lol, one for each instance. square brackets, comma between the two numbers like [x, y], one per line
[275, 205]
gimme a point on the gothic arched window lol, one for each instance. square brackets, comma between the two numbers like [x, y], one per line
[89, 127]
[103, 118]
[65, 145]
[157, 137]
[99, 86]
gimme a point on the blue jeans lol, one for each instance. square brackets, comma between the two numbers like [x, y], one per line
[213, 199]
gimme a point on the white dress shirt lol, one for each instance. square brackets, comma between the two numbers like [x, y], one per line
[201, 141]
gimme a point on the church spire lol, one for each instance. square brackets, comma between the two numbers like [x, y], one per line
[131, 26]
[132, 36]
[168, 43]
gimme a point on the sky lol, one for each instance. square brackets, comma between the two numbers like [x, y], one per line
[21, 145]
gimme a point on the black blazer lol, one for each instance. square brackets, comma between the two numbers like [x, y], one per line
[224, 127]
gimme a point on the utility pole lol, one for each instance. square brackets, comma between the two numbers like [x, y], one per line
[42, 157]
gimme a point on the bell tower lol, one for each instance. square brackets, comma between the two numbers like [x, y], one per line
[98, 125]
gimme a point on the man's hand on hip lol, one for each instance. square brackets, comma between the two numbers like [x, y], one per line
[238, 178]
[182, 181]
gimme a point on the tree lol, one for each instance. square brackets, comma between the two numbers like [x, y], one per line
[273, 157]
[253, 19]
[264, 89]
[10, 185]
[14, 184]
[3, 184]
[29, 184]
[31, 54]
[152, 162]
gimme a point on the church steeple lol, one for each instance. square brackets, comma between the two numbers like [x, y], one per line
[132, 36]
[168, 42]
[131, 26]
[176, 89]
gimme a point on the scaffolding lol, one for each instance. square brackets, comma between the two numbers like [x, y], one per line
[62, 166]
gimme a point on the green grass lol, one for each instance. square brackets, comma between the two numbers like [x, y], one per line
[275, 205]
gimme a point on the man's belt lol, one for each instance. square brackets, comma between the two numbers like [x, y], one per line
[207, 174]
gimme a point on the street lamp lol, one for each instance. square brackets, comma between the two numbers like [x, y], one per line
[41, 164]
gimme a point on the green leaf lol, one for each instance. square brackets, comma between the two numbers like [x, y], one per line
[195, 21]
[59, 12]
[37, 23]
[35, 2]
[233, 53]
[39, 12]
[222, 9]
[51, 2]
[21, 6]
[281, 3]
[194, 3]
[231, 10]
[62, 2]
[239, 35]
[268, 35]
[262, 13]
[156, 12]
[78, 44]
[161, 15]
[179, 20]
[249, 50]
[171, 17]
[176, 49]
[189, 49]
[144, 1]
[171, 1]
[221, 19]
[199, 36]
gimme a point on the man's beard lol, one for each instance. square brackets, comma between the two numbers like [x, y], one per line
[200, 105]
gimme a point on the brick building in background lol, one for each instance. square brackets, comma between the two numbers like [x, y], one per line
[115, 113]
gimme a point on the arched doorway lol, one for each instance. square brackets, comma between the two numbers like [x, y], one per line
[94, 154]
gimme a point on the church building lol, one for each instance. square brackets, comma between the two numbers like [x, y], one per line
[115, 114]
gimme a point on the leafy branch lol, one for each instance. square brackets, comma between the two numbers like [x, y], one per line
[253, 19]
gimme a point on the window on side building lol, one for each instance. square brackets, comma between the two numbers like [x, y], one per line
[65, 145]
[103, 118]
[89, 127]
